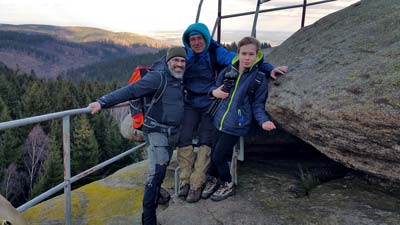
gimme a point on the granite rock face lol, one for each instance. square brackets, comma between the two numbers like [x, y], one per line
[261, 198]
[8, 214]
[129, 132]
[342, 93]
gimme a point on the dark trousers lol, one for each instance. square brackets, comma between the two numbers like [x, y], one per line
[196, 119]
[221, 156]
[151, 195]
[159, 150]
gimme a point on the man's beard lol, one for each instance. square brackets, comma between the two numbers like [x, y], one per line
[175, 74]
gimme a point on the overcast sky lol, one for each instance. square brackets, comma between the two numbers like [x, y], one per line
[150, 16]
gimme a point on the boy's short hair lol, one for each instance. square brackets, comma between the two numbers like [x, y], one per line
[247, 41]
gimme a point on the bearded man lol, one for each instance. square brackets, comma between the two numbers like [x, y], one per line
[163, 117]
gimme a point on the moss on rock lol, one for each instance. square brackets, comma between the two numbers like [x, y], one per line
[114, 200]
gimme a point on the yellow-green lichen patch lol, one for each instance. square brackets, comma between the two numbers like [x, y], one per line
[352, 76]
[104, 203]
[131, 174]
[53, 210]
[169, 181]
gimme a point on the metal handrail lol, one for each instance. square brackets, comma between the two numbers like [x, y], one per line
[75, 178]
[275, 9]
[68, 180]
[42, 118]
[217, 24]
[49, 116]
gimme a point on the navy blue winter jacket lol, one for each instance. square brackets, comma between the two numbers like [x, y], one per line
[200, 75]
[235, 113]
[168, 110]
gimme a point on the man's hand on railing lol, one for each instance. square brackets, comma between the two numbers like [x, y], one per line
[95, 107]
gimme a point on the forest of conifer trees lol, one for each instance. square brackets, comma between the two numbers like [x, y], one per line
[31, 159]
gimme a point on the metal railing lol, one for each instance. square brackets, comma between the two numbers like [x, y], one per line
[68, 180]
[217, 24]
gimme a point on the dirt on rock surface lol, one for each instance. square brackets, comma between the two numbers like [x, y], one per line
[263, 197]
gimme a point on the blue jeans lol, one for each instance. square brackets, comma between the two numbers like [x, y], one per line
[160, 149]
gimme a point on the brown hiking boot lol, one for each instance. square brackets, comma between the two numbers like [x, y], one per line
[183, 191]
[194, 195]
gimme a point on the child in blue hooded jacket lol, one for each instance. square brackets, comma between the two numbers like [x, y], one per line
[233, 117]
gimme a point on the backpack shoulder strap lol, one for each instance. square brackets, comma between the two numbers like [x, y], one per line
[212, 50]
[160, 91]
[255, 84]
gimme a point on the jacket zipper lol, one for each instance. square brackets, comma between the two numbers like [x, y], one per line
[230, 102]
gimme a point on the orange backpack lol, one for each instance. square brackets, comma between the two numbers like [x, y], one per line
[137, 105]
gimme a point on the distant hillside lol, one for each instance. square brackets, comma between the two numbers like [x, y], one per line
[87, 34]
[49, 56]
[113, 70]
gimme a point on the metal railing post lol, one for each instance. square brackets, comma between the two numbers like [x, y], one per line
[275, 9]
[253, 30]
[219, 21]
[303, 16]
[215, 26]
[176, 180]
[199, 11]
[241, 149]
[67, 168]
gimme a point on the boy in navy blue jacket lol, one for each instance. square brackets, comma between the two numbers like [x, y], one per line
[205, 57]
[233, 118]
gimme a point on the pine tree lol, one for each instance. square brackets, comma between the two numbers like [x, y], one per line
[111, 143]
[36, 99]
[4, 116]
[10, 141]
[67, 95]
[84, 147]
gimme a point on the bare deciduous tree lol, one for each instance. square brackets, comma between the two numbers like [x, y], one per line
[35, 152]
[13, 182]
[10, 173]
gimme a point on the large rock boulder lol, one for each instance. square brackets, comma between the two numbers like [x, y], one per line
[9, 215]
[342, 94]
[129, 132]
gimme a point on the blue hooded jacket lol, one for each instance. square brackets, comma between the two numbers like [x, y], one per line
[235, 113]
[200, 75]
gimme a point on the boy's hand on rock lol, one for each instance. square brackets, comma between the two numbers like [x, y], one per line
[280, 70]
[268, 126]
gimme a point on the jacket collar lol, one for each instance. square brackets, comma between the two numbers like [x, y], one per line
[256, 64]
